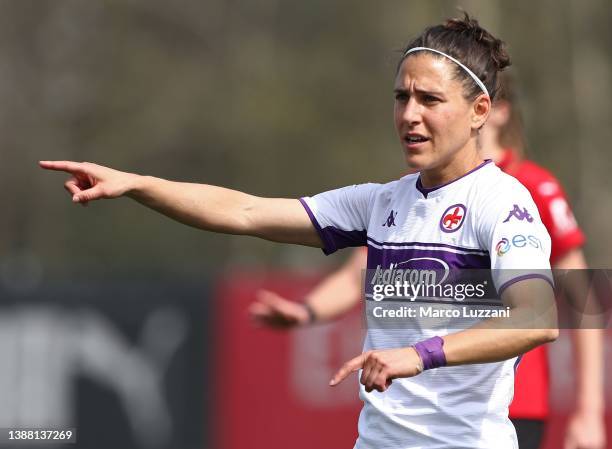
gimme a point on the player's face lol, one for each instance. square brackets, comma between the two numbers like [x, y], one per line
[435, 123]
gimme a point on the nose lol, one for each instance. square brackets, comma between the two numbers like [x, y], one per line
[411, 114]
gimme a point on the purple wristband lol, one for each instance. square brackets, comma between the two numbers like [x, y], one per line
[431, 352]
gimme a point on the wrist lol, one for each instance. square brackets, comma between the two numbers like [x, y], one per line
[431, 352]
[311, 316]
[136, 186]
[419, 364]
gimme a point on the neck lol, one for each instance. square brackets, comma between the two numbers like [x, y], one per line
[453, 169]
[489, 146]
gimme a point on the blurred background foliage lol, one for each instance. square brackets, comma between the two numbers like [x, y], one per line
[274, 97]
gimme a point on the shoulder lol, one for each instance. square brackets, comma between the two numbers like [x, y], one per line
[506, 212]
[498, 195]
[411, 177]
[494, 186]
[394, 188]
[365, 189]
[356, 198]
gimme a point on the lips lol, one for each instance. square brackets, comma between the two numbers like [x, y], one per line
[414, 138]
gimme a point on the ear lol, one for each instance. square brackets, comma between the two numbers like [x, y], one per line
[481, 107]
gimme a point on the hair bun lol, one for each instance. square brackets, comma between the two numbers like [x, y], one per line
[466, 24]
[465, 40]
[470, 26]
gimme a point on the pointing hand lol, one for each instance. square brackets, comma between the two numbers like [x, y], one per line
[89, 182]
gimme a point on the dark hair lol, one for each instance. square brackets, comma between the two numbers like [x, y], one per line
[465, 40]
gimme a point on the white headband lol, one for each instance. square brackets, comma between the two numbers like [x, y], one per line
[469, 72]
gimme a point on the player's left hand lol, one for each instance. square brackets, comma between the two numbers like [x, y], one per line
[381, 367]
[585, 430]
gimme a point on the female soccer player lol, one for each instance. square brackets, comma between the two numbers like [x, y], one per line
[502, 140]
[431, 387]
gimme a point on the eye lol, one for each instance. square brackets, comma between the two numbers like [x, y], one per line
[401, 97]
[430, 99]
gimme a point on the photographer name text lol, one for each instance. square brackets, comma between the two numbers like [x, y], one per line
[435, 312]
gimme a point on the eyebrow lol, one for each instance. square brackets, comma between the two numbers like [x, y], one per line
[420, 91]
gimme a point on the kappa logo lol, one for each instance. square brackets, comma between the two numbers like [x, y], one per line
[452, 218]
[390, 219]
[519, 214]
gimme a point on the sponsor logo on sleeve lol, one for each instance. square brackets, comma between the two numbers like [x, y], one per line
[452, 218]
[519, 214]
[502, 247]
[518, 241]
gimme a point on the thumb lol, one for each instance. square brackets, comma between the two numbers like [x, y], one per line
[95, 193]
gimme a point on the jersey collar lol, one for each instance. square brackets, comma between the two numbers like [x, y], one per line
[427, 190]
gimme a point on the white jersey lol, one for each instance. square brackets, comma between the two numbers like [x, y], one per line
[485, 219]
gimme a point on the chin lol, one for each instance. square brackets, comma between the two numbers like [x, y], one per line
[417, 162]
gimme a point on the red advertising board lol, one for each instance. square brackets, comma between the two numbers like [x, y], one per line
[272, 387]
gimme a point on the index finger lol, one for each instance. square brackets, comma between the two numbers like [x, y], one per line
[67, 166]
[349, 367]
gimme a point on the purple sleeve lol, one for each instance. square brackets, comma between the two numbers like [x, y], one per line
[333, 238]
[341, 216]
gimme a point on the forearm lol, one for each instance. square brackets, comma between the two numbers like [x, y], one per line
[588, 345]
[478, 345]
[588, 339]
[340, 291]
[202, 206]
[227, 211]
[532, 321]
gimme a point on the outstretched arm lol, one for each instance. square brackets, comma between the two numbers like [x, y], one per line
[202, 206]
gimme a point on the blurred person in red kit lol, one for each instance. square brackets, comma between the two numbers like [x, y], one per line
[502, 140]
